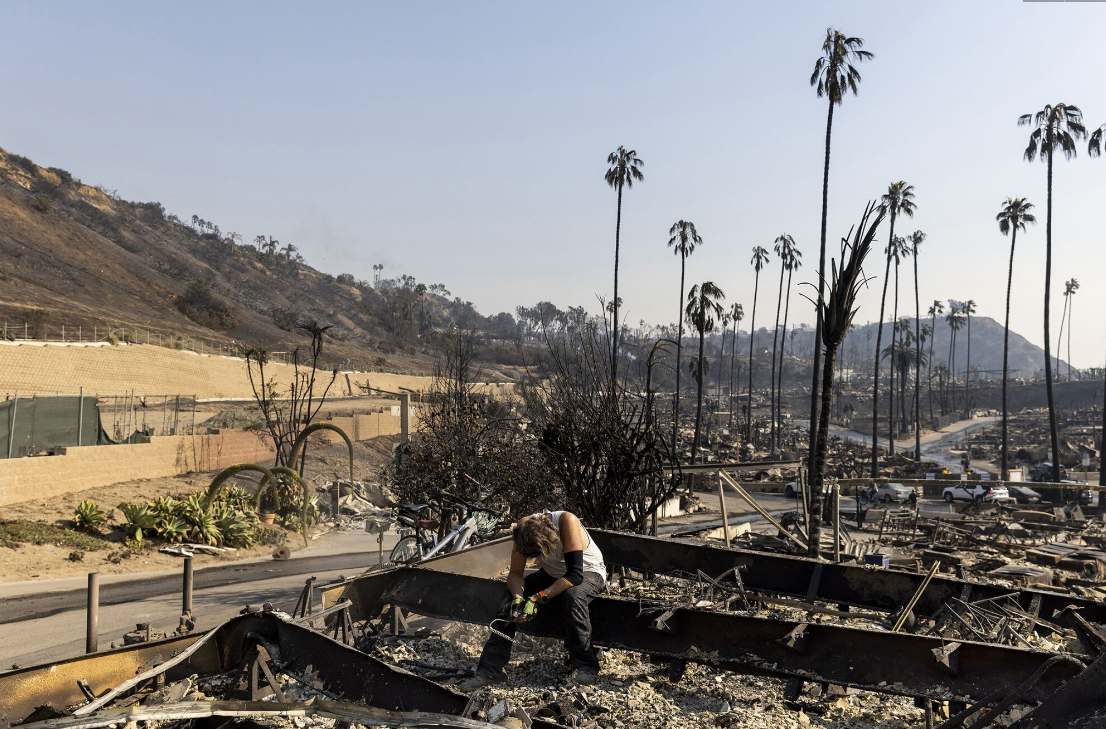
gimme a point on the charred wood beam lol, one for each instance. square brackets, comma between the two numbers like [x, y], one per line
[866, 587]
[873, 660]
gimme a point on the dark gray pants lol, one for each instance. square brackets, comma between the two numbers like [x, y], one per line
[572, 604]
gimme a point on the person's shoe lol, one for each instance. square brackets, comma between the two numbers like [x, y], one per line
[584, 676]
[479, 681]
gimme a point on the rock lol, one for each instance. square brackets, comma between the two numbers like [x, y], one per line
[497, 712]
[804, 720]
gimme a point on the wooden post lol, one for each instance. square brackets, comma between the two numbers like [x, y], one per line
[92, 613]
[11, 422]
[760, 509]
[725, 517]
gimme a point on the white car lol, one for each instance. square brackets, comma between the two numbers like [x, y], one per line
[888, 492]
[976, 491]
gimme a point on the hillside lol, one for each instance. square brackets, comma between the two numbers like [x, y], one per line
[81, 256]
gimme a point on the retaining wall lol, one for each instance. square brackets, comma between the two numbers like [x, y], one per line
[86, 467]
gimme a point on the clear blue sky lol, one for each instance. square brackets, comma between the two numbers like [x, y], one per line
[465, 143]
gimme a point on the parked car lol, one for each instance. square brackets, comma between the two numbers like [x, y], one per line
[1024, 495]
[1042, 472]
[976, 491]
[888, 492]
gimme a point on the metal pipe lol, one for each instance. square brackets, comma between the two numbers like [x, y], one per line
[92, 613]
[836, 501]
[917, 596]
[725, 517]
[186, 602]
[80, 418]
[759, 509]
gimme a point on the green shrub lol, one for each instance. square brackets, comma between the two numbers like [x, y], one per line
[88, 516]
[138, 518]
[15, 533]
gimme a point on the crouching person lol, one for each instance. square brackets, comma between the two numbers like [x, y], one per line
[571, 573]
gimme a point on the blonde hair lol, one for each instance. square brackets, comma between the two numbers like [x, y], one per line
[535, 536]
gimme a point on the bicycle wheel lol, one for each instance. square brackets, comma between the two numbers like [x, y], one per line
[406, 551]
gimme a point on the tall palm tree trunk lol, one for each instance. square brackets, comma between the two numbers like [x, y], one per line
[875, 376]
[614, 322]
[718, 379]
[1071, 313]
[1053, 432]
[929, 364]
[783, 349]
[699, 402]
[733, 351]
[1060, 337]
[891, 369]
[968, 369]
[917, 365]
[679, 354]
[1006, 356]
[821, 274]
[775, 344]
[752, 337]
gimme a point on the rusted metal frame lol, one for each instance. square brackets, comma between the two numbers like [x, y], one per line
[723, 476]
[343, 671]
[873, 660]
[1078, 699]
[868, 587]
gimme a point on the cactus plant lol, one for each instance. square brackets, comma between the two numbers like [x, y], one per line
[88, 516]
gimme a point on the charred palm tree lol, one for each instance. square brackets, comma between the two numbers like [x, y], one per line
[784, 245]
[683, 242]
[624, 170]
[899, 249]
[1095, 148]
[955, 320]
[835, 75]
[793, 263]
[1055, 129]
[968, 308]
[936, 310]
[916, 239]
[899, 198]
[736, 315]
[1013, 217]
[837, 314]
[725, 325]
[758, 262]
[704, 308]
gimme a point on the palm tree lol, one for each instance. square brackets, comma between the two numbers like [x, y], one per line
[937, 309]
[725, 322]
[625, 169]
[784, 245]
[1013, 217]
[1094, 149]
[902, 355]
[955, 321]
[1070, 287]
[837, 314]
[968, 308]
[834, 76]
[916, 239]
[1055, 128]
[683, 242]
[759, 261]
[704, 307]
[793, 263]
[899, 250]
[737, 313]
[899, 198]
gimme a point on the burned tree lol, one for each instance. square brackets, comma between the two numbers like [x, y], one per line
[286, 413]
[599, 441]
[470, 444]
[838, 310]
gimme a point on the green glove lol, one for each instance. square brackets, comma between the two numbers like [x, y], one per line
[529, 610]
[516, 608]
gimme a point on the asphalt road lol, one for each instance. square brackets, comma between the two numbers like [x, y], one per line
[62, 635]
[16, 609]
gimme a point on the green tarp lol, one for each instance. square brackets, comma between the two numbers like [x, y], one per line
[33, 425]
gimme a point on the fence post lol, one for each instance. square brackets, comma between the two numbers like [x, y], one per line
[11, 422]
[80, 336]
[92, 615]
[63, 332]
[80, 418]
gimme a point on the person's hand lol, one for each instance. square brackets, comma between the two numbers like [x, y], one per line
[530, 607]
[516, 608]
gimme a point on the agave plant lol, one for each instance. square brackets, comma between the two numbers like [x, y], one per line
[166, 506]
[171, 528]
[204, 530]
[88, 516]
[235, 525]
[138, 518]
[235, 497]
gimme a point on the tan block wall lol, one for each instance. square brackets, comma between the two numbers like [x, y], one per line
[86, 467]
[362, 426]
[48, 369]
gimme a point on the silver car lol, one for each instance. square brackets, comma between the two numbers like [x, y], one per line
[888, 492]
